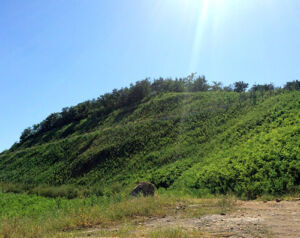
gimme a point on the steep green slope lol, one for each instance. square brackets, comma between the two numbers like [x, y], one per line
[260, 154]
[201, 142]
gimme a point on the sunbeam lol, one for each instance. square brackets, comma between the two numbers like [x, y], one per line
[209, 15]
[199, 32]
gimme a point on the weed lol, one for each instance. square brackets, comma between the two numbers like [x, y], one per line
[168, 233]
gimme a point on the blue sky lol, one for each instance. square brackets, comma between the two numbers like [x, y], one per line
[58, 53]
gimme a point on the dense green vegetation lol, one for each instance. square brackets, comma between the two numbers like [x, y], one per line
[183, 135]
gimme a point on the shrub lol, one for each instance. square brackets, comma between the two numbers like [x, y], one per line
[66, 191]
[14, 188]
[94, 190]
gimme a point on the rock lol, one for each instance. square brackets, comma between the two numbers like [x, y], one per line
[147, 189]
[180, 207]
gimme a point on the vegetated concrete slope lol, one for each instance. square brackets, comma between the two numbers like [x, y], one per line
[178, 140]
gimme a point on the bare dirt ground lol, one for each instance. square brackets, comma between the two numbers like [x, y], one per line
[278, 219]
[281, 219]
[252, 219]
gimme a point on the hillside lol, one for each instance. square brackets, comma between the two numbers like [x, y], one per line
[192, 141]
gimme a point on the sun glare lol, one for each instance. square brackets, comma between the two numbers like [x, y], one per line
[208, 15]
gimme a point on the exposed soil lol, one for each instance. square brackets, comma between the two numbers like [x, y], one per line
[282, 219]
[278, 219]
[251, 219]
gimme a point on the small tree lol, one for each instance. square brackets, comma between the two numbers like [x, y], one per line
[217, 86]
[294, 85]
[25, 134]
[228, 88]
[240, 86]
[262, 88]
[140, 90]
[253, 97]
[199, 84]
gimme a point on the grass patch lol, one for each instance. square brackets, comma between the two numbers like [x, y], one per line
[177, 233]
[134, 231]
[60, 216]
[168, 233]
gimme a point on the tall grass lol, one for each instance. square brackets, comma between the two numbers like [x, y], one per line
[177, 233]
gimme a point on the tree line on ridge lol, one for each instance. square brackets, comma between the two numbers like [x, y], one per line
[135, 93]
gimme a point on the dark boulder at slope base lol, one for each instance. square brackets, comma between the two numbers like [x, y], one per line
[147, 189]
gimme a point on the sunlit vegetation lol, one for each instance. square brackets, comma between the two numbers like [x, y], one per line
[183, 135]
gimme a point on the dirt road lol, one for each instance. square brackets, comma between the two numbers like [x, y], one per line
[250, 219]
[281, 219]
